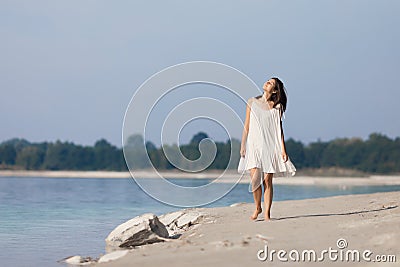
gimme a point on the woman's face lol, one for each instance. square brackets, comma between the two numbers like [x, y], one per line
[269, 86]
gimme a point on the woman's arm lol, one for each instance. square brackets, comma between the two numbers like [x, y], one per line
[245, 129]
[284, 154]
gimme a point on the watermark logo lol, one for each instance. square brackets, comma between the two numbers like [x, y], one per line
[138, 116]
[341, 243]
[331, 254]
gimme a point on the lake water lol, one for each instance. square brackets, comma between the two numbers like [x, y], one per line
[43, 220]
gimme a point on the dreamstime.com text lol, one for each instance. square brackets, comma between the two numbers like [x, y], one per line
[332, 254]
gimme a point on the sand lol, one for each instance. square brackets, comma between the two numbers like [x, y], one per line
[230, 176]
[227, 237]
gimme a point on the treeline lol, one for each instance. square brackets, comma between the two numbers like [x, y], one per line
[377, 154]
[21, 154]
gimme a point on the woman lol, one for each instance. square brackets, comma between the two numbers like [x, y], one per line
[263, 151]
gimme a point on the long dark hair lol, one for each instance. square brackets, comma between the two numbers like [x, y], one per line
[280, 96]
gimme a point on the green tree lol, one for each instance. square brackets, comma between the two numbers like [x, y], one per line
[295, 150]
[8, 154]
[30, 157]
[313, 154]
[135, 153]
[67, 156]
[107, 156]
[197, 138]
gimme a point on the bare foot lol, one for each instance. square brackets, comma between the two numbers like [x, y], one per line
[255, 214]
[267, 216]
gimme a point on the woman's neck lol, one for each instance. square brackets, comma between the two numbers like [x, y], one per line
[265, 97]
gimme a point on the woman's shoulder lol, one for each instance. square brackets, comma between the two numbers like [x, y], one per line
[249, 103]
[250, 100]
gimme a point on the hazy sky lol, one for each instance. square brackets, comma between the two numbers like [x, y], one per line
[68, 69]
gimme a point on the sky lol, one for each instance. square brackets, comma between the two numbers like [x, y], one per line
[69, 69]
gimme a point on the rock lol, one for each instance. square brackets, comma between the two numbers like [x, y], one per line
[141, 230]
[168, 218]
[74, 260]
[174, 232]
[188, 219]
[178, 221]
[238, 204]
[263, 238]
[78, 260]
[113, 256]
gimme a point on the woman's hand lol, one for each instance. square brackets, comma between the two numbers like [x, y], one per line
[284, 156]
[242, 151]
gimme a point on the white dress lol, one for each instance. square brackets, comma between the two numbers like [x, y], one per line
[264, 144]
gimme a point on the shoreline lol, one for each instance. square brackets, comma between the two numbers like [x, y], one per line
[231, 176]
[225, 236]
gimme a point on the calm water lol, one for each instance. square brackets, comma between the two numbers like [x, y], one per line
[43, 220]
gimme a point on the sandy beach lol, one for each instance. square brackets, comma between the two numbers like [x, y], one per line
[230, 176]
[227, 237]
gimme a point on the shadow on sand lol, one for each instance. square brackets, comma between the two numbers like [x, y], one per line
[329, 214]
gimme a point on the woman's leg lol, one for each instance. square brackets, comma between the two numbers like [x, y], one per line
[257, 191]
[268, 194]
